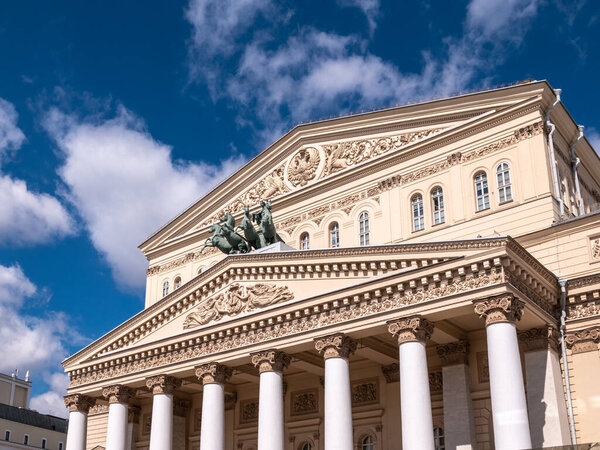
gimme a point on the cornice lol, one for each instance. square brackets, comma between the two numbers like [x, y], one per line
[345, 306]
[235, 267]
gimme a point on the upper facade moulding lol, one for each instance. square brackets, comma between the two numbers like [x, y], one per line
[384, 297]
[421, 282]
[323, 149]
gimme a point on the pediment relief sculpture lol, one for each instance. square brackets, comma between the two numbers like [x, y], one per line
[235, 300]
[314, 162]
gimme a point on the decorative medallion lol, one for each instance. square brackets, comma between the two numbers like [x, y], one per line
[365, 392]
[249, 411]
[304, 166]
[595, 249]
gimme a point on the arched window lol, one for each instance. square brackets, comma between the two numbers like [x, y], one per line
[306, 446]
[367, 443]
[166, 288]
[304, 241]
[437, 205]
[364, 229]
[438, 439]
[504, 184]
[334, 235]
[177, 283]
[417, 212]
[481, 191]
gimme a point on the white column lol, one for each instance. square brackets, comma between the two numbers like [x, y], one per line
[336, 350]
[548, 421]
[116, 431]
[212, 433]
[79, 406]
[415, 401]
[161, 428]
[459, 421]
[270, 411]
[509, 407]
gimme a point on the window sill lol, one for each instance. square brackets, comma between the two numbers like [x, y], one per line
[505, 202]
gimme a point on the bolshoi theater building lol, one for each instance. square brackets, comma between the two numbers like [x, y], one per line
[418, 277]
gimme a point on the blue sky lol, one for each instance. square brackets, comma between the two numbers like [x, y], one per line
[115, 116]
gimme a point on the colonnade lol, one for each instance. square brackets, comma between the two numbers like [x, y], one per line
[509, 406]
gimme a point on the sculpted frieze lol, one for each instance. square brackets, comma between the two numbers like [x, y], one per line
[317, 318]
[237, 299]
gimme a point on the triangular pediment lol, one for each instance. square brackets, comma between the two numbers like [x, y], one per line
[243, 285]
[312, 156]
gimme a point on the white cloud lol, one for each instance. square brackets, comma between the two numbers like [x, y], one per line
[26, 217]
[29, 218]
[314, 72]
[11, 136]
[33, 343]
[125, 184]
[27, 342]
[51, 402]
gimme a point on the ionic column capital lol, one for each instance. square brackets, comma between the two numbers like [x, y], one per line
[336, 345]
[270, 360]
[505, 308]
[545, 338]
[585, 340]
[162, 384]
[454, 352]
[411, 329]
[118, 393]
[213, 373]
[79, 402]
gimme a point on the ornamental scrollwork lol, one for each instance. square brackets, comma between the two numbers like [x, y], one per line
[162, 384]
[583, 340]
[454, 352]
[503, 308]
[213, 372]
[118, 393]
[79, 402]
[237, 299]
[337, 345]
[270, 361]
[411, 329]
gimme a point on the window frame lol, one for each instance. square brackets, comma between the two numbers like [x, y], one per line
[175, 285]
[61, 445]
[418, 221]
[44, 442]
[7, 435]
[165, 288]
[362, 445]
[25, 439]
[438, 207]
[334, 230]
[485, 191]
[503, 170]
[364, 229]
[305, 241]
[439, 439]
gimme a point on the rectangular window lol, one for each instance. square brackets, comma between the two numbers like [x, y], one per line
[418, 215]
[7, 435]
[26, 440]
[60, 446]
[43, 442]
[437, 197]
[482, 192]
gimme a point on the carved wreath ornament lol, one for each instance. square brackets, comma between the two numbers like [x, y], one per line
[235, 300]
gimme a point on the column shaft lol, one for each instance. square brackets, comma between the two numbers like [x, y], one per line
[161, 432]
[77, 431]
[116, 432]
[415, 399]
[459, 422]
[547, 408]
[270, 412]
[212, 435]
[336, 349]
[509, 407]
[338, 405]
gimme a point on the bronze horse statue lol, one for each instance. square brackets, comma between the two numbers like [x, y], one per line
[218, 240]
[264, 219]
[228, 231]
[254, 238]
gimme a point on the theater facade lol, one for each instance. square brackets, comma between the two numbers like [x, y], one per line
[439, 288]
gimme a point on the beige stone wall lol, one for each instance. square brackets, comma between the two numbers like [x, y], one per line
[19, 430]
[97, 424]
